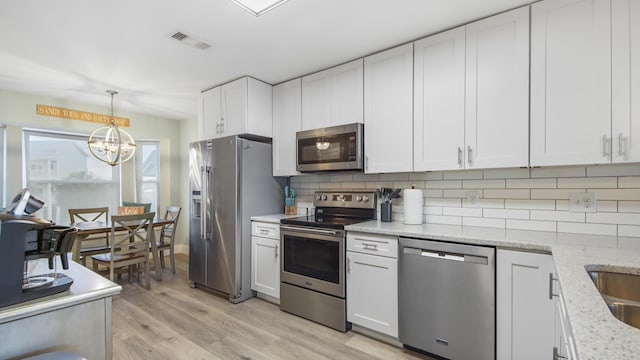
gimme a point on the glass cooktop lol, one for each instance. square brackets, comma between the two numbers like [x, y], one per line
[322, 221]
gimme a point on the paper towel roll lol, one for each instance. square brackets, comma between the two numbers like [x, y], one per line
[413, 202]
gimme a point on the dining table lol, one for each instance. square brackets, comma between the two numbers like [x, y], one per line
[87, 228]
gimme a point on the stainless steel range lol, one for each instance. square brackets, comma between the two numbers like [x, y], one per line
[312, 271]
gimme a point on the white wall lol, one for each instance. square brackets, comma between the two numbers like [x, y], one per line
[18, 111]
[528, 199]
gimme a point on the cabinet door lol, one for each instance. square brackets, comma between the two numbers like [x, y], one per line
[287, 104]
[211, 113]
[265, 266]
[259, 107]
[497, 91]
[525, 309]
[388, 110]
[234, 107]
[346, 93]
[316, 100]
[373, 277]
[438, 121]
[625, 126]
[570, 82]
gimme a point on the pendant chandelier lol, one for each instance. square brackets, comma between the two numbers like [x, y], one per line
[110, 144]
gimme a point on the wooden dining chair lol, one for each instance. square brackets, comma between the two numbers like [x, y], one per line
[168, 236]
[130, 210]
[97, 243]
[129, 247]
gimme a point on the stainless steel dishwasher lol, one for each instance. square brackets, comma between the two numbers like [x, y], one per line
[447, 299]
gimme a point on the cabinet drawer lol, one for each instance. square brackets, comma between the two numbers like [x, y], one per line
[381, 245]
[267, 230]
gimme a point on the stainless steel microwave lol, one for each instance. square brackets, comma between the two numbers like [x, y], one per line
[336, 148]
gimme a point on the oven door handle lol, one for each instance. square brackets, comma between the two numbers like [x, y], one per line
[310, 230]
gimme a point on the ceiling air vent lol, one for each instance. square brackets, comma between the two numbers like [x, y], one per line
[179, 36]
[191, 41]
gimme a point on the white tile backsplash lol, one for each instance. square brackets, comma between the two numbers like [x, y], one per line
[484, 222]
[506, 214]
[588, 183]
[531, 225]
[483, 184]
[506, 174]
[527, 199]
[544, 183]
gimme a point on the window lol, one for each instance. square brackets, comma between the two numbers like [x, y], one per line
[147, 164]
[61, 171]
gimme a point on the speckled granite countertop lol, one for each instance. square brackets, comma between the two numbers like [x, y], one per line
[597, 334]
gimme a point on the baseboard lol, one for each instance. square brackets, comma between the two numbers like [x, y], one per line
[181, 249]
[376, 335]
[268, 298]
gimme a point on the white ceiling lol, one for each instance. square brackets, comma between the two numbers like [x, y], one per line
[77, 49]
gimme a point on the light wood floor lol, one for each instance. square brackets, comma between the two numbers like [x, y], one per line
[174, 321]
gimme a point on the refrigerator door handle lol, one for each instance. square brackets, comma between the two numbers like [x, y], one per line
[205, 197]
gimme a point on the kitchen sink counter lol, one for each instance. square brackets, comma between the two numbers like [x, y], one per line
[597, 334]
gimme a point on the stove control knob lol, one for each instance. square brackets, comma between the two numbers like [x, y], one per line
[324, 197]
[365, 198]
[319, 197]
[359, 198]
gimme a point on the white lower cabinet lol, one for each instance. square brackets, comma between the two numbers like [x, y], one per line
[265, 259]
[372, 282]
[564, 346]
[525, 306]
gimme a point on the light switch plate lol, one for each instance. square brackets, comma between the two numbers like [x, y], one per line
[583, 202]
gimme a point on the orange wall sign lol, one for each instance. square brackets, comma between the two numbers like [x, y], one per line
[79, 115]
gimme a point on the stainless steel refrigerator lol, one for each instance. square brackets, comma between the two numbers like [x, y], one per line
[230, 181]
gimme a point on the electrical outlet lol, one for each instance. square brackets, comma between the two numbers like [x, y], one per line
[473, 196]
[583, 202]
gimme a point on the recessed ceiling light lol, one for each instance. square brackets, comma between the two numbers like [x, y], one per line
[259, 7]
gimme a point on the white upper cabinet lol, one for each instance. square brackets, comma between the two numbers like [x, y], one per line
[497, 91]
[570, 82]
[333, 96]
[438, 122]
[388, 110]
[242, 106]
[471, 88]
[625, 125]
[286, 122]
[210, 114]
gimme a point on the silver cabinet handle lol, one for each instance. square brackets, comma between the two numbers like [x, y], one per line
[551, 280]
[459, 156]
[348, 265]
[469, 152]
[264, 231]
[373, 247]
[276, 252]
[621, 146]
[605, 153]
[366, 162]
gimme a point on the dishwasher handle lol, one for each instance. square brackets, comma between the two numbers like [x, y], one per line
[444, 255]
